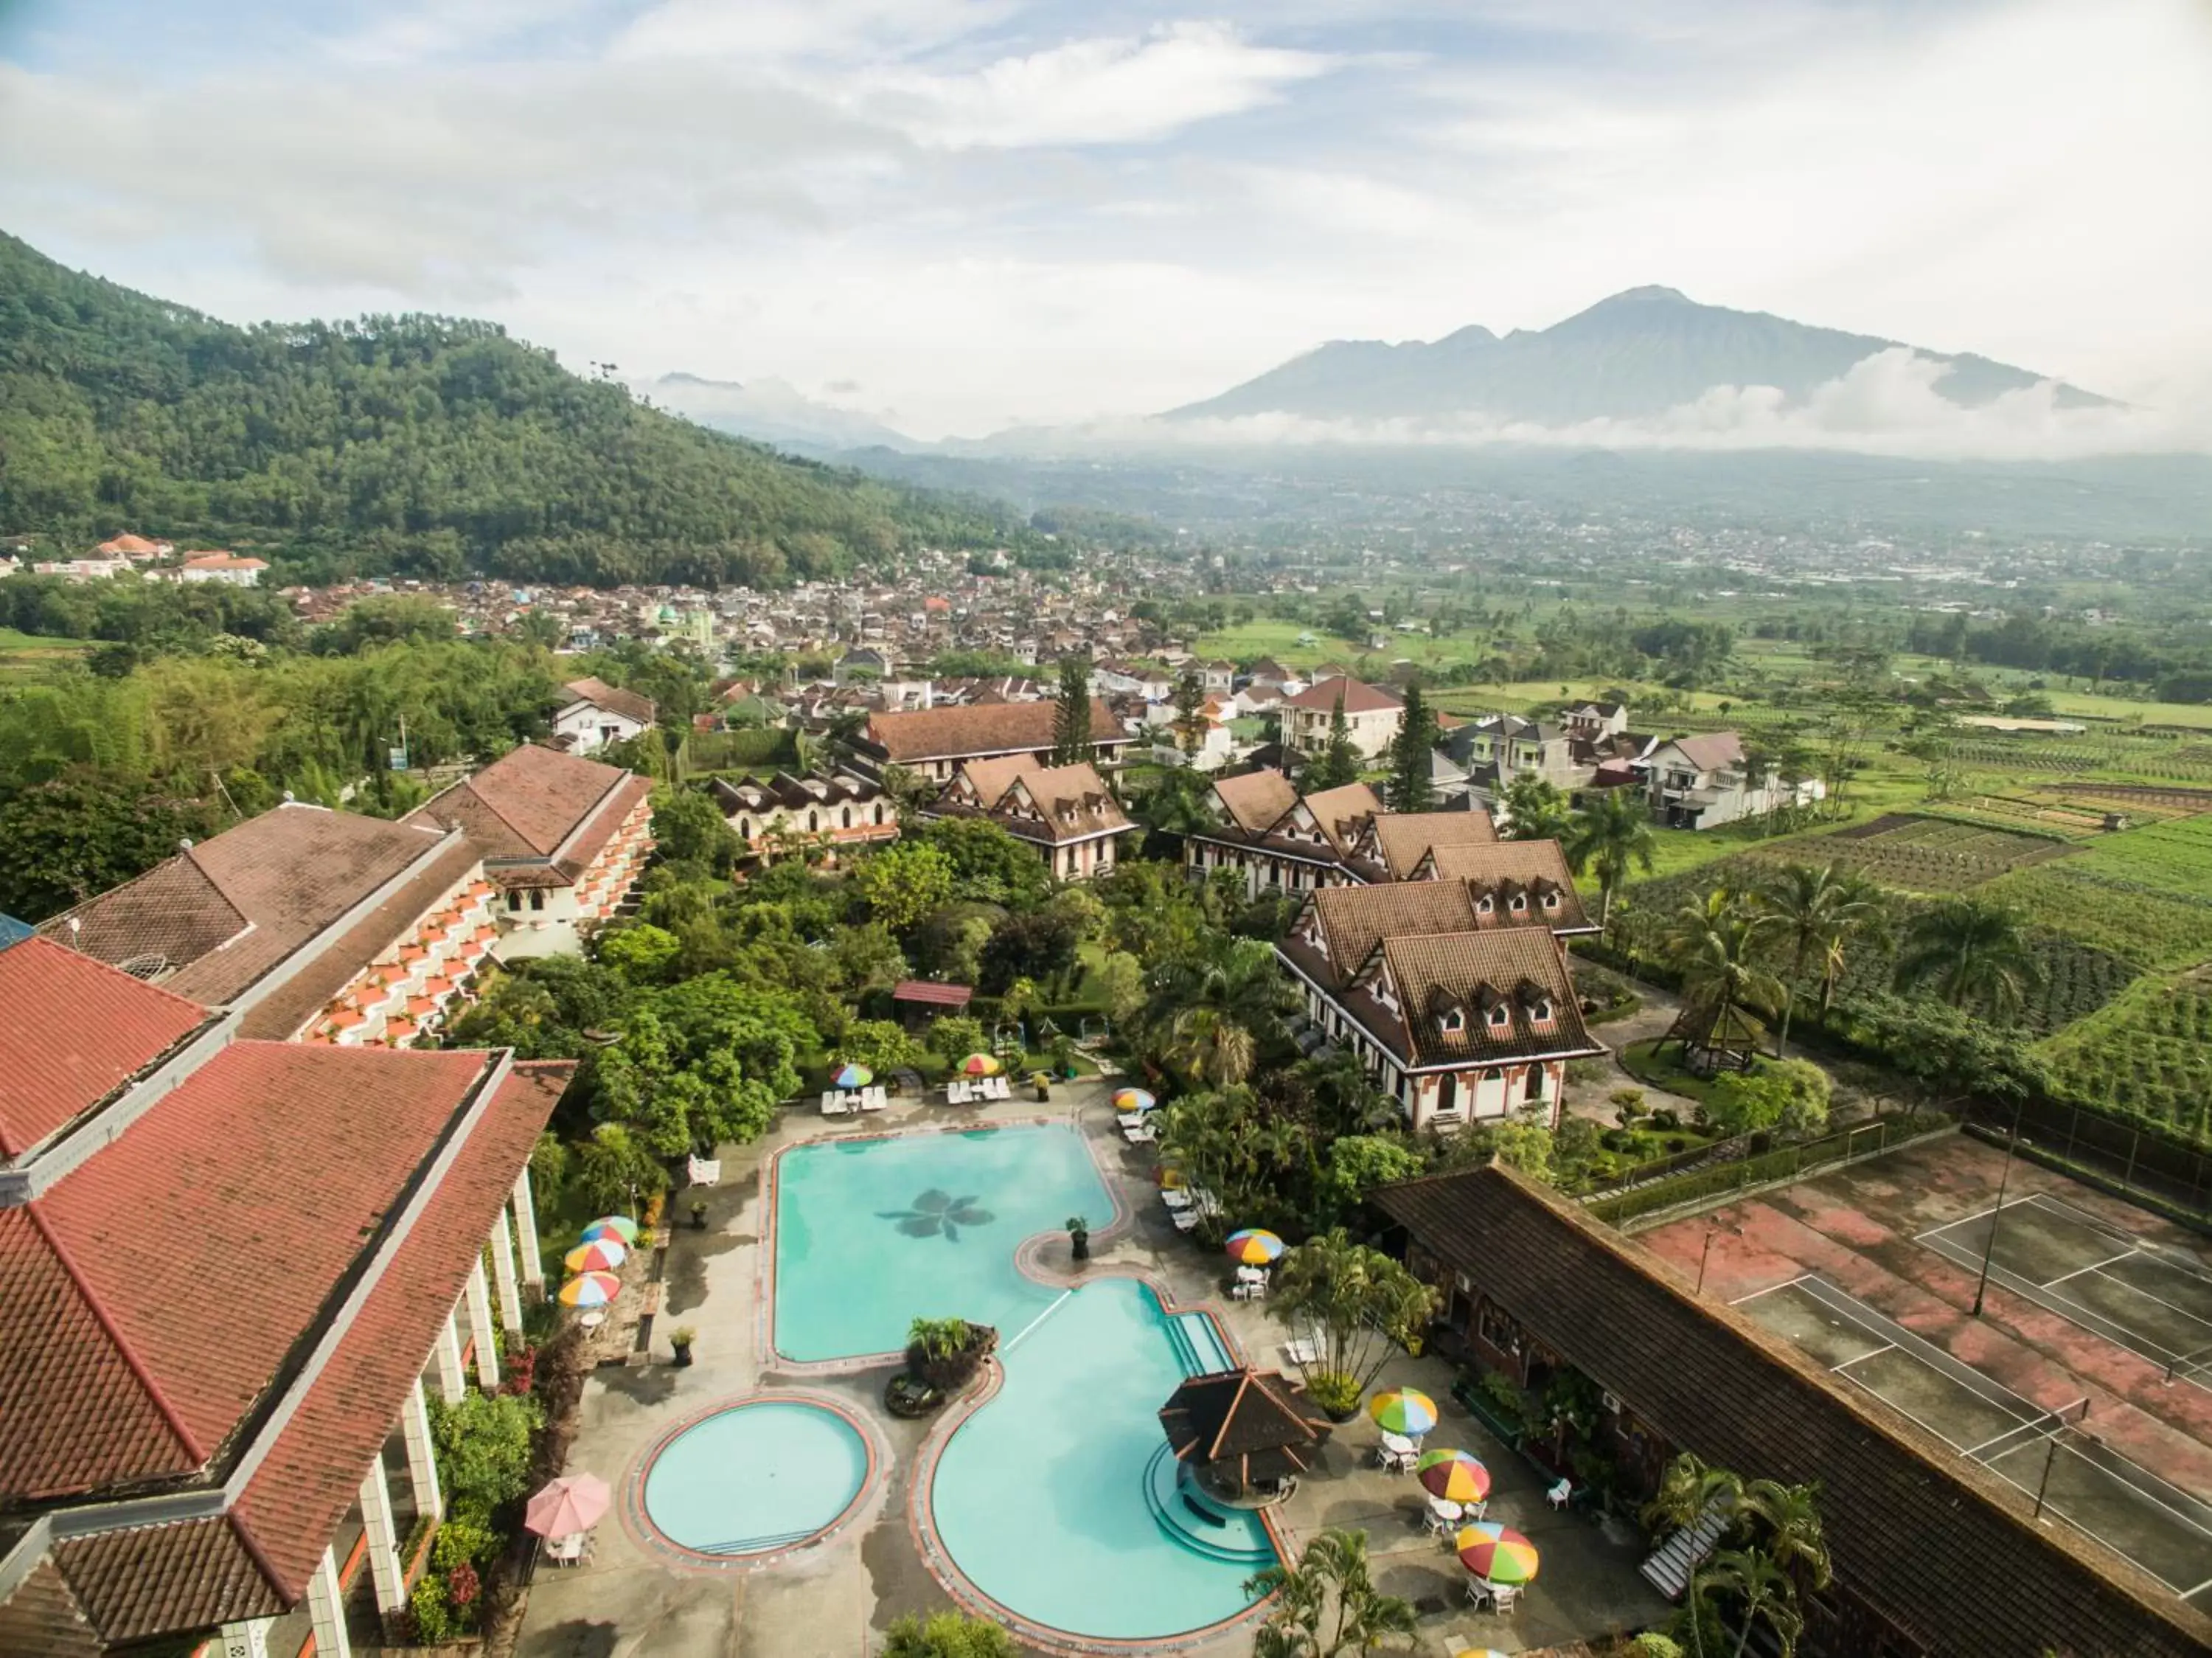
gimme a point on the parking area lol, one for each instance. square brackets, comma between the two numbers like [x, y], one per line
[2152, 1301]
[2051, 1451]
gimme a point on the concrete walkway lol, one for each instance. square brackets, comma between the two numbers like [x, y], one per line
[835, 1597]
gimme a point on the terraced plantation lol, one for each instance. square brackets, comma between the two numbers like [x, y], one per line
[2149, 1051]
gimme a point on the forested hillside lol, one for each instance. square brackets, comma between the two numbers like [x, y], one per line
[428, 445]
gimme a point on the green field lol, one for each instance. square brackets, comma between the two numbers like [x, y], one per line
[2175, 856]
[2148, 1052]
[2151, 929]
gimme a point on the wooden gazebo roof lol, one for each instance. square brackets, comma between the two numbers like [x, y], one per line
[1257, 1423]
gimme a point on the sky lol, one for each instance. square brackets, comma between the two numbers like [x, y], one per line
[963, 215]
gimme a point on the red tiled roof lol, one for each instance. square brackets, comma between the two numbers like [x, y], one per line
[979, 730]
[1359, 698]
[299, 1494]
[941, 995]
[151, 1580]
[72, 1031]
[600, 694]
[525, 803]
[167, 1237]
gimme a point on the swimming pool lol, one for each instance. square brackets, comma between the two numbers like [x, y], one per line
[754, 1476]
[1058, 1499]
[872, 1234]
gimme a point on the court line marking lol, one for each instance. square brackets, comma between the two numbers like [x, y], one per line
[2097, 1266]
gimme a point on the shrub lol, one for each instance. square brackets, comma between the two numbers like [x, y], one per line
[956, 1036]
[1335, 1392]
[1790, 1094]
[947, 1635]
[880, 1044]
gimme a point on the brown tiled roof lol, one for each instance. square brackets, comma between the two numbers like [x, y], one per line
[930, 734]
[1942, 1548]
[1343, 813]
[1513, 968]
[1711, 751]
[154, 1319]
[227, 910]
[284, 1011]
[1050, 804]
[1359, 698]
[150, 1580]
[525, 803]
[990, 779]
[42, 1618]
[1258, 1422]
[1535, 869]
[72, 1031]
[1403, 839]
[613, 698]
[1355, 919]
[1256, 800]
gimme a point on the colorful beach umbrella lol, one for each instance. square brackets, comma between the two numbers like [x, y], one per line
[979, 1064]
[1133, 1099]
[572, 1503]
[1497, 1553]
[1405, 1411]
[852, 1076]
[599, 1255]
[1455, 1475]
[590, 1289]
[619, 1226]
[1254, 1247]
[1478, 1652]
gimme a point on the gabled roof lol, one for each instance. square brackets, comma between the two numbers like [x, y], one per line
[1342, 813]
[1499, 870]
[526, 803]
[1709, 751]
[1403, 839]
[1979, 1577]
[1258, 1422]
[214, 919]
[1359, 698]
[1049, 804]
[72, 1031]
[1517, 968]
[1256, 800]
[1354, 919]
[615, 700]
[978, 730]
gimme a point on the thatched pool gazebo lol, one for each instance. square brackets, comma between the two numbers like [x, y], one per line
[1245, 1436]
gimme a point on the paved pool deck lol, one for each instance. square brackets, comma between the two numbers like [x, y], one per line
[834, 1597]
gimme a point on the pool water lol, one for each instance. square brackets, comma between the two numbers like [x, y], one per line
[757, 1476]
[1057, 1497]
[871, 1235]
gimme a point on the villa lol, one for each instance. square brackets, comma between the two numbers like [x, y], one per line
[841, 810]
[598, 714]
[1278, 839]
[935, 742]
[1704, 781]
[1458, 1001]
[562, 838]
[225, 1268]
[1065, 812]
[1371, 716]
[310, 924]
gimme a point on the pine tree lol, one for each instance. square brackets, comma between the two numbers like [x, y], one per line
[1339, 763]
[1070, 721]
[1189, 700]
[1410, 788]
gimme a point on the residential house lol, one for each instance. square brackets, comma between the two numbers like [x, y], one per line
[935, 743]
[864, 664]
[1154, 685]
[1495, 749]
[1218, 678]
[310, 924]
[596, 714]
[230, 1265]
[1371, 716]
[837, 811]
[229, 568]
[1065, 812]
[1462, 1014]
[81, 570]
[1593, 721]
[1536, 1288]
[1513, 883]
[1701, 781]
[135, 548]
[1279, 840]
[562, 838]
[1392, 845]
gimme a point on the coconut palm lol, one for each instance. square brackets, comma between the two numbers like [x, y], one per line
[1334, 1566]
[1686, 1490]
[1812, 914]
[1971, 952]
[1213, 1014]
[1763, 1590]
[1789, 1518]
[1608, 837]
[1714, 946]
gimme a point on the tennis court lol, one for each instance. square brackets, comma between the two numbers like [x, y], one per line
[2163, 1530]
[2152, 1301]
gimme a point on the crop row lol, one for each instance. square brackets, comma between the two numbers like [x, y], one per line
[2150, 1051]
[2135, 922]
[2175, 855]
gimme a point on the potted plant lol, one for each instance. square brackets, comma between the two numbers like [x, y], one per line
[698, 1215]
[1079, 1237]
[681, 1338]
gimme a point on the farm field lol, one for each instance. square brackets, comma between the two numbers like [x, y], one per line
[2153, 930]
[2149, 1050]
[1914, 854]
[2174, 857]
[25, 655]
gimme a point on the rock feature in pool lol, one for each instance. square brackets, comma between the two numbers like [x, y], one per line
[1057, 1498]
[754, 1477]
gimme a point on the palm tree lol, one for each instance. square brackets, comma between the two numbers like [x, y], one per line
[1969, 951]
[1214, 1012]
[1607, 837]
[1795, 1537]
[1763, 1587]
[1714, 945]
[1815, 913]
[1686, 1490]
[1334, 1566]
[1535, 809]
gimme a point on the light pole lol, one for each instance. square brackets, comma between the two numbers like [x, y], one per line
[1996, 1214]
[1713, 1228]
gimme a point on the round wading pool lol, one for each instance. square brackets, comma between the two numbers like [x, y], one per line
[755, 1478]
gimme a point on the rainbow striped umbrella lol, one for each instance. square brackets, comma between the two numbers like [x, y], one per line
[620, 1227]
[852, 1076]
[1254, 1247]
[599, 1255]
[1405, 1411]
[1478, 1652]
[590, 1289]
[979, 1064]
[1497, 1553]
[1455, 1476]
[1133, 1099]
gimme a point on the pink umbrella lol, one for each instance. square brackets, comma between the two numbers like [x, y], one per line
[572, 1503]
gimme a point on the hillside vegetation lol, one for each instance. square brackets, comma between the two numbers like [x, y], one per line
[426, 445]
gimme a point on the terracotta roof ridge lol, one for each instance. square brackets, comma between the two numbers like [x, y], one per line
[170, 1418]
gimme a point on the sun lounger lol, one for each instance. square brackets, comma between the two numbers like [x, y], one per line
[1129, 1120]
[1185, 1219]
[874, 1098]
[704, 1171]
[956, 1094]
[1002, 1088]
[1139, 1136]
[1174, 1199]
[833, 1104]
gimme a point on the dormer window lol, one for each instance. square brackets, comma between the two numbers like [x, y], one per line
[1540, 1010]
[1517, 904]
[1551, 900]
[1482, 906]
[1500, 1017]
[1455, 1021]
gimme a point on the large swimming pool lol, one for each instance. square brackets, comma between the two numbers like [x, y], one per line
[1056, 1498]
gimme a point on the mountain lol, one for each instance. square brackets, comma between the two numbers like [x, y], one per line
[773, 411]
[1634, 355]
[431, 446]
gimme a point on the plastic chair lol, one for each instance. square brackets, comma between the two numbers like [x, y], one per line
[1558, 1494]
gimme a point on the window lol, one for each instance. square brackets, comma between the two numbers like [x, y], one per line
[879, 811]
[1535, 1083]
[744, 828]
[847, 812]
[1453, 1019]
[1500, 1017]
[1551, 900]
[513, 901]
[1448, 1092]
[1482, 906]
[813, 821]
[1541, 1009]
[537, 898]
[1517, 904]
